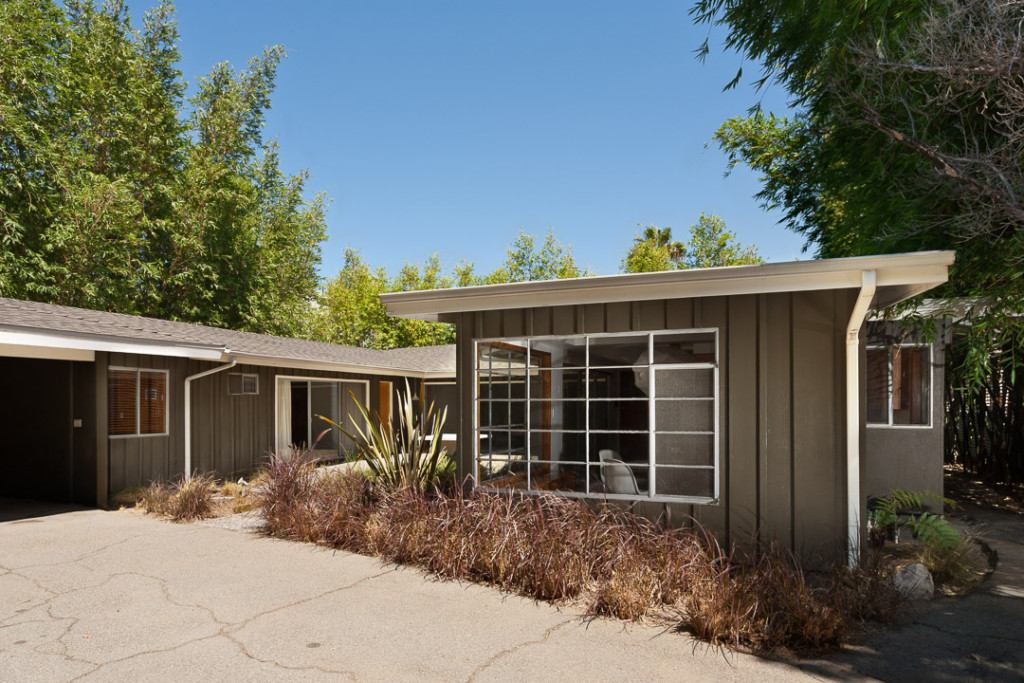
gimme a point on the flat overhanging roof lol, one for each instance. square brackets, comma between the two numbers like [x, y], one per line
[898, 277]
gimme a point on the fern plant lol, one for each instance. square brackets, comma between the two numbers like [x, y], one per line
[933, 530]
[401, 455]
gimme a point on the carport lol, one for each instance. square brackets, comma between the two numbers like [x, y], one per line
[48, 449]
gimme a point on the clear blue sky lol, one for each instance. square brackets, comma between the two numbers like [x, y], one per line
[445, 127]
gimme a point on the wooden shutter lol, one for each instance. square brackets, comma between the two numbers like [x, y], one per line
[152, 402]
[121, 402]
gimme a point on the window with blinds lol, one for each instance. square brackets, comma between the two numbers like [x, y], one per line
[136, 402]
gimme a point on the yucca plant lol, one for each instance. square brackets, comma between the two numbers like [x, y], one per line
[401, 455]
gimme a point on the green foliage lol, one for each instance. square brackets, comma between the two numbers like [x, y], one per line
[524, 262]
[350, 311]
[909, 135]
[120, 195]
[710, 246]
[402, 455]
[984, 427]
[933, 530]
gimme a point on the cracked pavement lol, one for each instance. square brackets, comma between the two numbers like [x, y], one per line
[88, 595]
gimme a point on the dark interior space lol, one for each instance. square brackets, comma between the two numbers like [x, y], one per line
[37, 451]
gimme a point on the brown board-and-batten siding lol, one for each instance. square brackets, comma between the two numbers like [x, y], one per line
[232, 435]
[781, 402]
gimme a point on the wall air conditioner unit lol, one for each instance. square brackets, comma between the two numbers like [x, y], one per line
[241, 384]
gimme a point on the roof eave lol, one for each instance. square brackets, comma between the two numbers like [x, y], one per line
[899, 276]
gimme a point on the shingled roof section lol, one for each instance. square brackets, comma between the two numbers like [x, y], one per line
[28, 316]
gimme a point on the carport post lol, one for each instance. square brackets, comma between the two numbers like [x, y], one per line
[188, 412]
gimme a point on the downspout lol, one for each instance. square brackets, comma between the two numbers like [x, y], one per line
[860, 311]
[188, 411]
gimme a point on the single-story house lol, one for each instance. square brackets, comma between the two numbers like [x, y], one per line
[94, 402]
[748, 397]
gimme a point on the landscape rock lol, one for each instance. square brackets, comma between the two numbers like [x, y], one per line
[914, 582]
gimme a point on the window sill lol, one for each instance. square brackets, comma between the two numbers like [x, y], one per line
[136, 436]
[679, 500]
[888, 426]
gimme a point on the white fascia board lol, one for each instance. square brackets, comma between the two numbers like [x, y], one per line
[45, 352]
[108, 344]
[926, 269]
[271, 361]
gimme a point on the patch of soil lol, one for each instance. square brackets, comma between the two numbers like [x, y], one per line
[969, 489]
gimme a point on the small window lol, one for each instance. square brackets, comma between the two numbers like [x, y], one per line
[240, 384]
[136, 402]
[899, 385]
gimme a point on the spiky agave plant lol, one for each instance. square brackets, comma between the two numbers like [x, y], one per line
[401, 455]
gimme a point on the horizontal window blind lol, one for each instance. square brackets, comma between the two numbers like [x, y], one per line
[121, 402]
[152, 402]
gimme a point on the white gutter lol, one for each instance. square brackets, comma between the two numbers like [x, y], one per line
[857, 317]
[188, 411]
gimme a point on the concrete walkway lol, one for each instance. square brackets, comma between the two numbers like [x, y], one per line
[113, 596]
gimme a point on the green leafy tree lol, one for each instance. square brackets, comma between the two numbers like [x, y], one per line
[909, 136]
[120, 195]
[653, 250]
[524, 261]
[350, 311]
[710, 245]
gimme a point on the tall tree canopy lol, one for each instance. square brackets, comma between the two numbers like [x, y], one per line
[910, 134]
[119, 194]
[350, 311]
[710, 245]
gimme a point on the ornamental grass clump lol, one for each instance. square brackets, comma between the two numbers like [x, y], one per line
[560, 549]
[185, 501]
[764, 602]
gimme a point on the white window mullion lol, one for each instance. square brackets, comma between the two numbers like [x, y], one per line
[138, 402]
[526, 416]
[651, 410]
[586, 409]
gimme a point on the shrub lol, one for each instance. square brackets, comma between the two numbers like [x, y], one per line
[955, 567]
[184, 501]
[556, 548]
[402, 457]
[929, 528]
[154, 498]
[190, 499]
[764, 602]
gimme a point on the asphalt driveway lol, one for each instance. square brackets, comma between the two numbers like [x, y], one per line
[113, 596]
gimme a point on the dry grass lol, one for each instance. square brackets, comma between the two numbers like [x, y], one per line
[185, 501]
[956, 568]
[559, 549]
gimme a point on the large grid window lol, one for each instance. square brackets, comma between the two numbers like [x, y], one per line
[136, 402]
[899, 385]
[630, 416]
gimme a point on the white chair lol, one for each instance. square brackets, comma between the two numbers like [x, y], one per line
[618, 477]
[606, 454]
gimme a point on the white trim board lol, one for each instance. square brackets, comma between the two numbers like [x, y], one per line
[899, 276]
